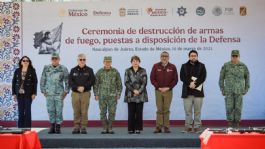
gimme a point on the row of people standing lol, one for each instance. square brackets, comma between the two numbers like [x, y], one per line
[56, 82]
[107, 90]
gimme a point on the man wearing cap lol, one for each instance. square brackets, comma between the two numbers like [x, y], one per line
[81, 80]
[107, 91]
[164, 77]
[234, 83]
[54, 86]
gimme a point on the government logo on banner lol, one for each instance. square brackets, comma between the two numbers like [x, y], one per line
[243, 11]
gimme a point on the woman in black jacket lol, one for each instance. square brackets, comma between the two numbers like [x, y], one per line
[135, 80]
[24, 90]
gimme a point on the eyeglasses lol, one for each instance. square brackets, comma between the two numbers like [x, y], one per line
[193, 55]
[164, 56]
[82, 59]
[234, 55]
[54, 58]
[25, 60]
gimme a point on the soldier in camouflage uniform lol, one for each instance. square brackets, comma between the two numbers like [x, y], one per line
[107, 91]
[54, 86]
[234, 83]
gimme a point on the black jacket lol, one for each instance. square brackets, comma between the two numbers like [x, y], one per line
[187, 71]
[81, 77]
[30, 83]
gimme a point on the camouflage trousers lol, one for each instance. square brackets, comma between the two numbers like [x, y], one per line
[233, 105]
[107, 105]
[55, 108]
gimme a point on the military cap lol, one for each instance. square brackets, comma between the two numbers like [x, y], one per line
[107, 58]
[235, 52]
[55, 55]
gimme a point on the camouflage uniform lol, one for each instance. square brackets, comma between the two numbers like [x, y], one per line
[234, 83]
[108, 87]
[54, 83]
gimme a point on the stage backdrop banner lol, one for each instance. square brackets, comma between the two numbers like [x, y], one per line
[145, 28]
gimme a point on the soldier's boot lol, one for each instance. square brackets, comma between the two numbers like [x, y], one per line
[52, 128]
[104, 125]
[58, 128]
[110, 128]
[230, 124]
[236, 124]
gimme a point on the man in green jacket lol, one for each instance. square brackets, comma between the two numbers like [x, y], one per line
[234, 83]
[107, 91]
[54, 86]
